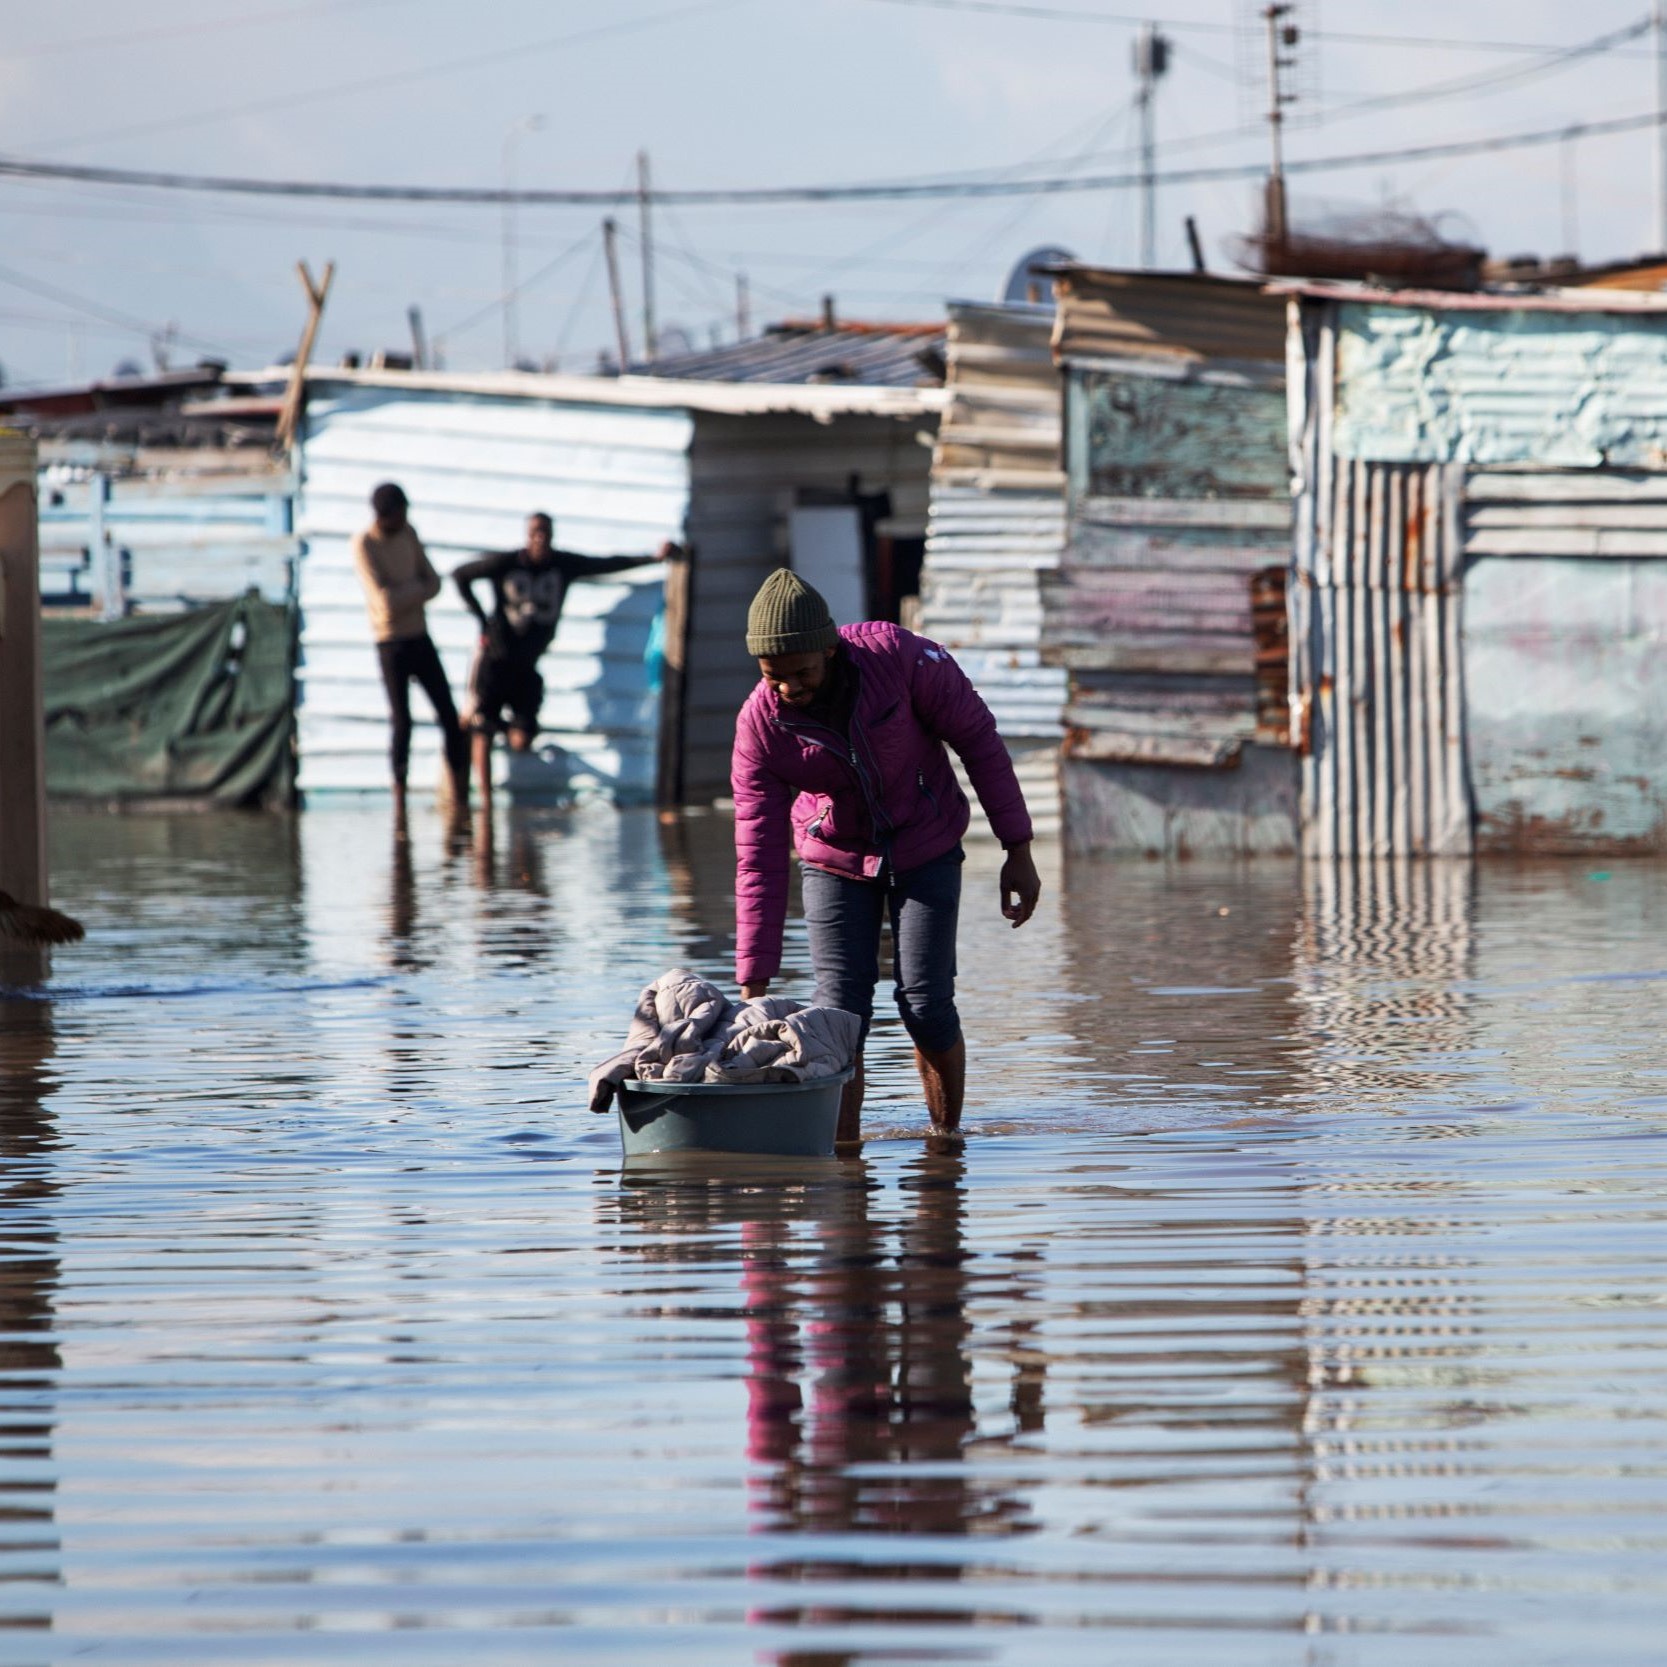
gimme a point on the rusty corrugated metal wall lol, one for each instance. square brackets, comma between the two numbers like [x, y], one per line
[1167, 611]
[1175, 315]
[1478, 596]
[1376, 675]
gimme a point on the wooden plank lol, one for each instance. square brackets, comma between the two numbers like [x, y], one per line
[1154, 652]
[1109, 747]
[679, 610]
[1567, 541]
[1570, 486]
[1565, 514]
[23, 870]
[1236, 513]
[1161, 719]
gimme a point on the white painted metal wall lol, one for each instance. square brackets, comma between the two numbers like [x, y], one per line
[156, 530]
[615, 479]
[997, 527]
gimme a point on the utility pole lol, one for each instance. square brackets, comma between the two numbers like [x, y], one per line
[1151, 60]
[647, 236]
[743, 308]
[1275, 228]
[610, 246]
[1659, 18]
[419, 340]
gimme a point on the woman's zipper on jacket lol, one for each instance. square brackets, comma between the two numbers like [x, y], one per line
[931, 797]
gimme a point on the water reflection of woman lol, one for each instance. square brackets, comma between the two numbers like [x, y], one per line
[881, 1339]
[859, 1375]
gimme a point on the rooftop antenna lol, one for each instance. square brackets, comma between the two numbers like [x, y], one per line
[1151, 61]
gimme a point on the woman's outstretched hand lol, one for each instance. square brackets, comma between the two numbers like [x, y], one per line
[1021, 885]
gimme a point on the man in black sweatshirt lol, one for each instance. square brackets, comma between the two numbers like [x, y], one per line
[528, 588]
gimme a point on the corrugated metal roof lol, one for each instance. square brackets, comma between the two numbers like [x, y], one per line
[1105, 314]
[1592, 298]
[872, 356]
[642, 393]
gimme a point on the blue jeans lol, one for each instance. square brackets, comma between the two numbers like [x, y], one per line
[845, 919]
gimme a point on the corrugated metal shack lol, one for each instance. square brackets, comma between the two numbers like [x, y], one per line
[1480, 597]
[1168, 611]
[997, 529]
[735, 466]
[821, 465]
[157, 493]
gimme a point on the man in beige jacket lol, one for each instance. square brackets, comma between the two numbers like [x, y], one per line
[399, 581]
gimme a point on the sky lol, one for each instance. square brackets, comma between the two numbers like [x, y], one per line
[735, 93]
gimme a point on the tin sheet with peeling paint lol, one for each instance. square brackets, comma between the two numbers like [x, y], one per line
[1418, 385]
[1566, 673]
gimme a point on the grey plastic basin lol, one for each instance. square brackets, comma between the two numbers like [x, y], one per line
[780, 1119]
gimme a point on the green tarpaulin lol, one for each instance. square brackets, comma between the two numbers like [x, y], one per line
[193, 706]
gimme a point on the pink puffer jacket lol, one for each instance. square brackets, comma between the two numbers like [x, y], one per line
[889, 793]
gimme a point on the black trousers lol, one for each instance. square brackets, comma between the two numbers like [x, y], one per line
[402, 660]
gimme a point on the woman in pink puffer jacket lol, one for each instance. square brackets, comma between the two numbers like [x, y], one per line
[841, 752]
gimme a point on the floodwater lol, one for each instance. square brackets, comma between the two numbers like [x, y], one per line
[1298, 1298]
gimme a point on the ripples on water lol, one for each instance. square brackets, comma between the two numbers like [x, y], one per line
[1298, 1300]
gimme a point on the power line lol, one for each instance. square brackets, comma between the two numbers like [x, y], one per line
[181, 31]
[94, 309]
[1426, 92]
[774, 195]
[548, 270]
[1489, 80]
[1352, 37]
[392, 78]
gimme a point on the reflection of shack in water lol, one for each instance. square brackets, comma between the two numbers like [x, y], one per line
[698, 851]
[1382, 960]
[860, 1406]
[29, 1357]
[1182, 974]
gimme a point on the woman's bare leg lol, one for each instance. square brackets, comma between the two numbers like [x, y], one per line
[481, 741]
[944, 1078]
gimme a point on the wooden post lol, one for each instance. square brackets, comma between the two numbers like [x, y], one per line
[289, 419]
[22, 712]
[674, 681]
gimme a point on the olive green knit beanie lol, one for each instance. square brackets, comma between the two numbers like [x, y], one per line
[788, 617]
